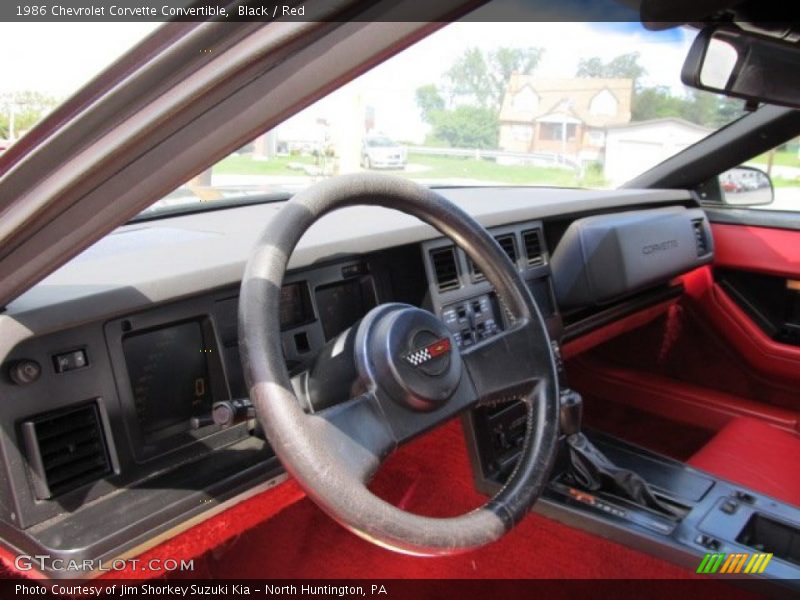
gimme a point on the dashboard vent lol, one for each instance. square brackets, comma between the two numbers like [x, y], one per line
[444, 268]
[477, 273]
[509, 246]
[66, 449]
[532, 242]
[700, 239]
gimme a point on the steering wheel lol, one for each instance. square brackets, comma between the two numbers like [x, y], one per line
[411, 376]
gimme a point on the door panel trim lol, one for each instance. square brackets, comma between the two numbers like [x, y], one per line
[760, 249]
[764, 354]
[773, 219]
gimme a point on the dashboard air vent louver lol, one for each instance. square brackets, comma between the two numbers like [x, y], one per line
[532, 242]
[700, 238]
[477, 274]
[66, 450]
[509, 246]
[444, 268]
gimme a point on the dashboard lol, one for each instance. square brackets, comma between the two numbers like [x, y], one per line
[113, 364]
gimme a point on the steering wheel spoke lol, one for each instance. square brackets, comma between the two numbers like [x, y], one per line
[505, 367]
[356, 434]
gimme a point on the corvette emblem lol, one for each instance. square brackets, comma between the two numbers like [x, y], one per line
[429, 352]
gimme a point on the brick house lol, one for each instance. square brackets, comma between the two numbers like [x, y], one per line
[562, 116]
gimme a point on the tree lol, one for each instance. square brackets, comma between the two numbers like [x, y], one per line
[467, 127]
[658, 102]
[504, 62]
[625, 66]
[27, 107]
[468, 78]
[702, 108]
[480, 79]
[590, 67]
[655, 103]
[465, 111]
[429, 101]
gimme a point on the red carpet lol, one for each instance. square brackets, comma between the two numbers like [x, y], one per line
[280, 534]
[432, 477]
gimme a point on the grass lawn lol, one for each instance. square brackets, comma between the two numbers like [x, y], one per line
[448, 167]
[243, 164]
[784, 182]
[437, 168]
[783, 158]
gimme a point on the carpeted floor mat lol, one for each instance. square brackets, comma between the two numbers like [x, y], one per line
[432, 476]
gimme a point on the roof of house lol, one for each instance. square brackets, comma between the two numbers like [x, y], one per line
[570, 97]
[663, 120]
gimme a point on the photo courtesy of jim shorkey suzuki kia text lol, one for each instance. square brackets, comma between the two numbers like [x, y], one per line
[166, 11]
[399, 298]
[122, 590]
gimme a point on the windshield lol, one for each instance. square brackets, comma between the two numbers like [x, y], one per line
[532, 104]
[35, 79]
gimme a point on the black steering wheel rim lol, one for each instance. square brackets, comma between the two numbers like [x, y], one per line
[329, 454]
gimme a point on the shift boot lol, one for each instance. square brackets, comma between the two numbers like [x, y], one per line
[594, 472]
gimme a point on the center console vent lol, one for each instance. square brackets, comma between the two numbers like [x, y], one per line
[532, 242]
[508, 245]
[445, 269]
[66, 450]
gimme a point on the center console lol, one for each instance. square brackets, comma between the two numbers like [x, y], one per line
[460, 294]
[715, 517]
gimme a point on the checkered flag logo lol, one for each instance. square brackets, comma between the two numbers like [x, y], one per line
[429, 352]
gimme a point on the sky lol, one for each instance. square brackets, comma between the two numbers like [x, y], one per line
[58, 58]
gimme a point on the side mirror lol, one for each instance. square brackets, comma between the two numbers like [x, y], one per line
[737, 64]
[746, 186]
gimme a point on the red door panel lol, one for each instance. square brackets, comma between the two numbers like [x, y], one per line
[760, 249]
[766, 356]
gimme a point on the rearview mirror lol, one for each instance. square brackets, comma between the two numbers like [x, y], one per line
[744, 66]
[746, 186]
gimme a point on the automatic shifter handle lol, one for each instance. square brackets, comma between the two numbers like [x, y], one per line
[571, 412]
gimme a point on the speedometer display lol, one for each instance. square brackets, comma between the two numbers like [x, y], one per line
[169, 377]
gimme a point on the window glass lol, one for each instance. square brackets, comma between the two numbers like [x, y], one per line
[770, 181]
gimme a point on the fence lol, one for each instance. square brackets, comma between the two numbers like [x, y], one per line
[539, 158]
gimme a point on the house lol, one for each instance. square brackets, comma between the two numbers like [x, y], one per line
[562, 116]
[635, 147]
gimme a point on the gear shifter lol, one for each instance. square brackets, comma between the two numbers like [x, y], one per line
[592, 471]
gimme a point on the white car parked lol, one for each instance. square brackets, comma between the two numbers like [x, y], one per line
[381, 152]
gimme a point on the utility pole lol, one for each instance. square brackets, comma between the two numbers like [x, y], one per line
[770, 158]
[11, 112]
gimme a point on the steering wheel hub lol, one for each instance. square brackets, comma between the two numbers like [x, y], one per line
[408, 354]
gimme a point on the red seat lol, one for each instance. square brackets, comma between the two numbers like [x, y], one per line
[756, 455]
